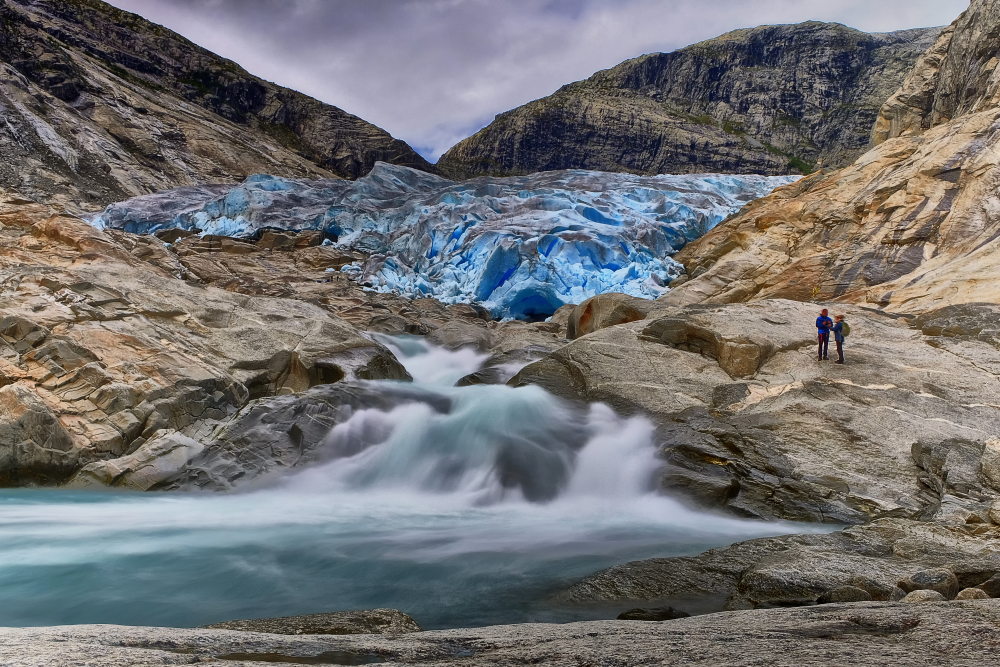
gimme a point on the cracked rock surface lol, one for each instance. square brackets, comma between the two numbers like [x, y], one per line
[866, 634]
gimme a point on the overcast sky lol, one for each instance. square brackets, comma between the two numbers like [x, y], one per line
[433, 72]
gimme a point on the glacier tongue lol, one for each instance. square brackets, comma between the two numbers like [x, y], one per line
[520, 246]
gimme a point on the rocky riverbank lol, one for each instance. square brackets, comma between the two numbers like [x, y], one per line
[837, 635]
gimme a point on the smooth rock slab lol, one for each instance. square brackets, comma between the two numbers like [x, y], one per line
[866, 634]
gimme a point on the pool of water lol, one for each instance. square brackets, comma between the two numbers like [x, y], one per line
[471, 516]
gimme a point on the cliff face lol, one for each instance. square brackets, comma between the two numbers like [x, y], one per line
[912, 226]
[100, 105]
[770, 100]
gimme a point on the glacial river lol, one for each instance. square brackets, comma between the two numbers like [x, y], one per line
[425, 522]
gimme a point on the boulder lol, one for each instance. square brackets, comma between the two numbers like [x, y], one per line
[367, 622]
[605, 310]
[941, 580]
[972, 594]
[922, 596]
[458, 334]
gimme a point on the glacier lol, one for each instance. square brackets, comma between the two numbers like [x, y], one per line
[520, 246]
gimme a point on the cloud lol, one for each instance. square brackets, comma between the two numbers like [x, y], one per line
[432, 72]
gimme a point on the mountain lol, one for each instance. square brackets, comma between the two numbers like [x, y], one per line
[911, 227]
[767, 100]
[100, 105]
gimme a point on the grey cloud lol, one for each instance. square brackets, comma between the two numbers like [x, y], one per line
[432, 72]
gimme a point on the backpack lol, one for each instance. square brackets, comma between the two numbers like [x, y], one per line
[846, 331]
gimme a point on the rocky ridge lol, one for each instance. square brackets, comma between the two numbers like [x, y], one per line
[102, 105]
[910, 227]
[768, 100]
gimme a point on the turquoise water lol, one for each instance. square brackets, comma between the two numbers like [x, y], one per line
[430, 517]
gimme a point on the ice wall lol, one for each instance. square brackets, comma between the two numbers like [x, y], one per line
[520, 246]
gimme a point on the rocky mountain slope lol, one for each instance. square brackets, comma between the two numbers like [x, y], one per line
[767, 100]
[101, 105]
[911, 227]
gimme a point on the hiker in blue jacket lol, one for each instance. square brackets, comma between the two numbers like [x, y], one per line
[840, 330]
[824, 324]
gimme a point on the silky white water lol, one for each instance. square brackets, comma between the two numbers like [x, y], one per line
[471, 507]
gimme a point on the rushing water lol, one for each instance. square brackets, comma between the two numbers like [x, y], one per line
[469, 516]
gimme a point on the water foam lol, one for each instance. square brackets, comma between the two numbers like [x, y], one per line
[469, 516]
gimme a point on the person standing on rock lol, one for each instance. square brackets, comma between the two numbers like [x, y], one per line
[840, 330]
[824, 324]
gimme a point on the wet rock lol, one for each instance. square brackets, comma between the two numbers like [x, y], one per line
[367, 622]
[921, 596]
[280, 433]
[972, 594]
[161, 457]
[494, 375]
[941, 580]
[845, 594]
[458, 334]
[653, 614]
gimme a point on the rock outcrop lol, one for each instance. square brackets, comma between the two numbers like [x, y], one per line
[836, 635]
[882, 561]
[104, 355]
[910, 227]
[751, 423]
[101, 105]
[769, 100]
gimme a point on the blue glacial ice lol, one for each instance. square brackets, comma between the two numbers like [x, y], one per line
[520, 246]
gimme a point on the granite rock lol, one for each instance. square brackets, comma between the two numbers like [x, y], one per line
[101, 105]
[750, 422]
[853, 635]
[770, 100]
[910, 227]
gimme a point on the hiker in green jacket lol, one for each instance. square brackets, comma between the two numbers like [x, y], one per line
[840, 331]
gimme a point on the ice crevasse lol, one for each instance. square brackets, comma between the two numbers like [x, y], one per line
[520, 246]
